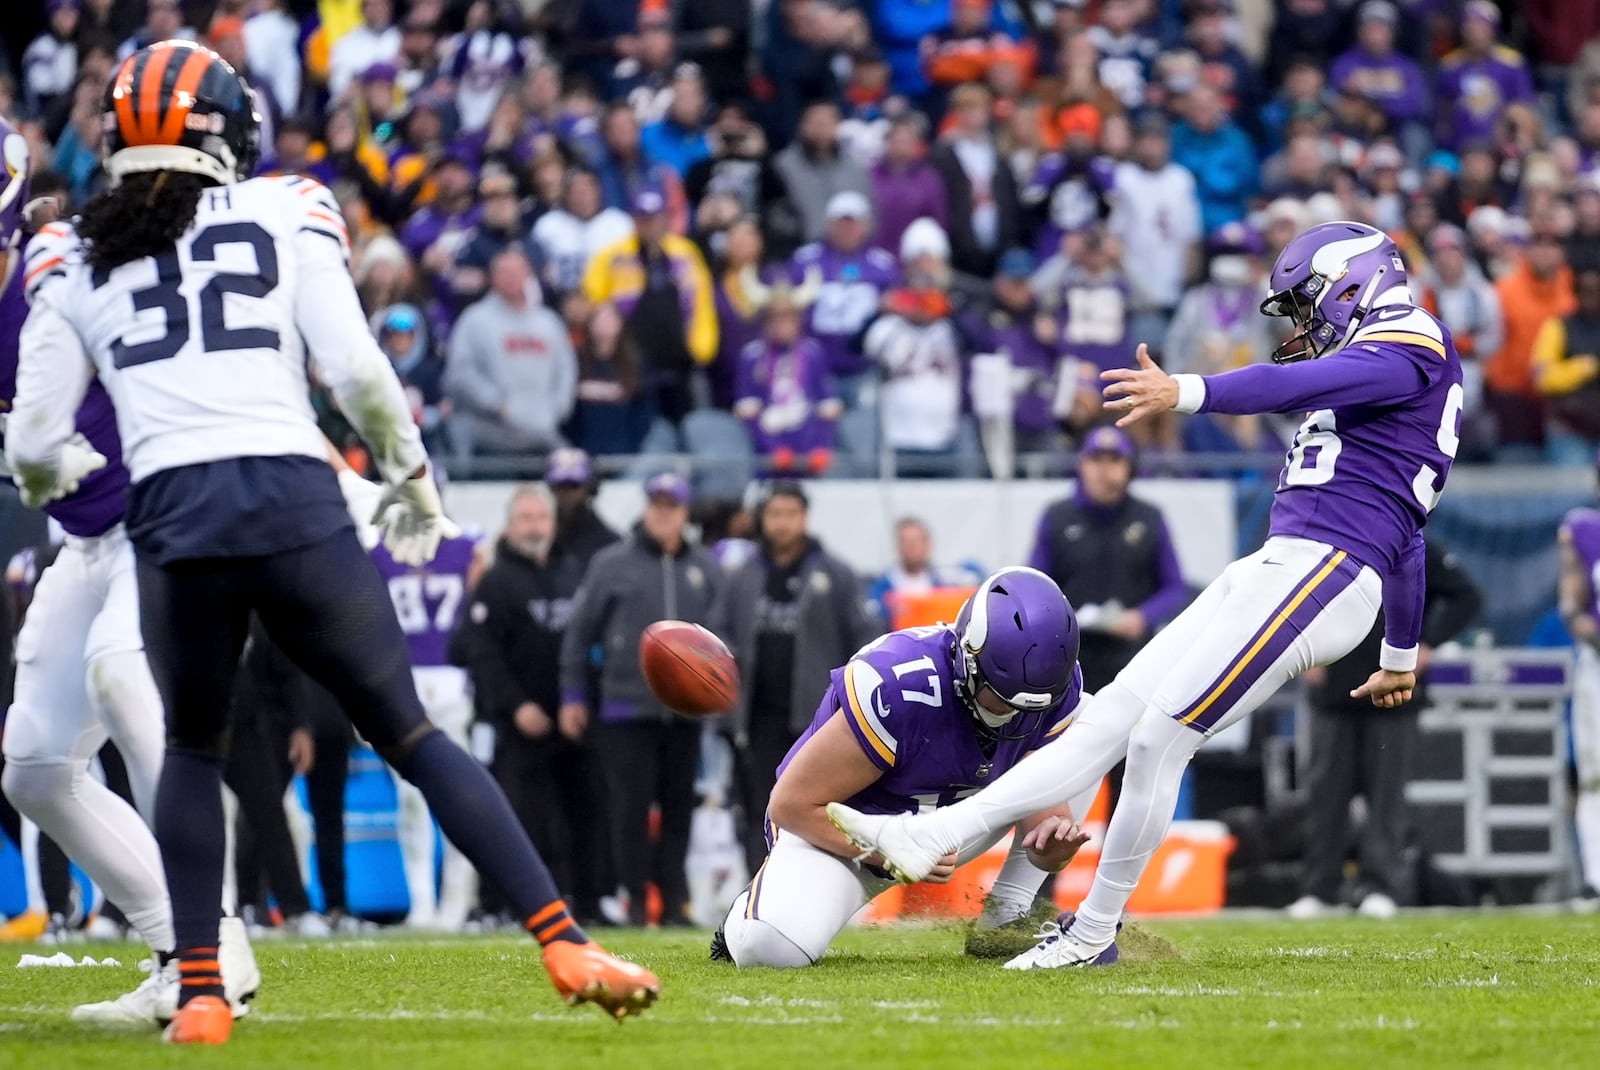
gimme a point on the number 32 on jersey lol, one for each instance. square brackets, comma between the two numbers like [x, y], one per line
[1315, 454]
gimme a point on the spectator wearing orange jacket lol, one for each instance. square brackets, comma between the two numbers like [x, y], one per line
[1539, 289]
[970, 48]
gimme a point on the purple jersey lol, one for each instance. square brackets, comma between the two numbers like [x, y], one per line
[898, 695]
[853, 285]
[98, 503]
[1094, 318]
[428, 600]
[786, 396]
[1474, 90]
[1370, 461]
[1582, 526]
[1393, 81]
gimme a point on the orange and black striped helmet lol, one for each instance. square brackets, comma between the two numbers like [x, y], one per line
[178, 106]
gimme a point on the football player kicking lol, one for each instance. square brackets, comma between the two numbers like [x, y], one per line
[916, 720]
[1366, 467]
[194, 293]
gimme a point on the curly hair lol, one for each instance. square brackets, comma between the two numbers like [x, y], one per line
[143, 215]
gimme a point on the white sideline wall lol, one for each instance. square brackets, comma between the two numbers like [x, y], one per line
[989, 522]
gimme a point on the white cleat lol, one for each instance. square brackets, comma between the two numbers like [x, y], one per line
[155, 1000]
[1059, 949]
[891, 837]
[139, 1007]
[1309, 908]
[1378, 906]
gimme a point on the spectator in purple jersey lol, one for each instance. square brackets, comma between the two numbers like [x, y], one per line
[1085, 289]
[905, 186]
[784, 393]
[1011, 324]
[853, 278]
[504, 141]
[1479, 79]
[1067, 191]
[1376, 70]
[484, 59]
[738, 315]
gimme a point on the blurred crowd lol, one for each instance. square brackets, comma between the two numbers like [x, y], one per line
[833, 235]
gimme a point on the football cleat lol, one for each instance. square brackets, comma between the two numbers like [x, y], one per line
[203, 1020]
[588, 973]
[1059, 949]
[889, 835]
[1309, 907]
[719, 947]
[155, 1000]
[25, 928]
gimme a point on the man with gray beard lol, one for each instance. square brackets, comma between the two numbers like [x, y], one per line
[511, 643]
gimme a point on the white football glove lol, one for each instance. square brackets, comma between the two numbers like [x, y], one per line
[412, 521]
[361, 497]
[76, 461]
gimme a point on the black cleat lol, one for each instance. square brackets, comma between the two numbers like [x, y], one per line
[719, 947]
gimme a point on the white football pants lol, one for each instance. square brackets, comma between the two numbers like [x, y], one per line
[1586, 748]
[81, 675]
[1270, 616]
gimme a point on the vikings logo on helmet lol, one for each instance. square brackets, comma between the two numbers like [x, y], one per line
[1018, 637]
[13, 196]
[1326, 280]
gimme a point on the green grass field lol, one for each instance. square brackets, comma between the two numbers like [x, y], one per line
[1423, 991]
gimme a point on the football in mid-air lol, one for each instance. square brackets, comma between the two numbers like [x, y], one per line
[689, 669]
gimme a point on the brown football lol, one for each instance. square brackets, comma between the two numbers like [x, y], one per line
[688, 668]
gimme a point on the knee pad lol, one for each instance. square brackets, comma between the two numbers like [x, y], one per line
[33, 785]
[753, 942]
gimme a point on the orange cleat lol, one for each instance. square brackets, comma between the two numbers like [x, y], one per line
[588, 973]
[25, 928]
[203, 1020]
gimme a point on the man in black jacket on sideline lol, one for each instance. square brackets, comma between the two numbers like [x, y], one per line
[1359, 750]
[790, 614]
[650, 754]
[514, 627]
[580, 533]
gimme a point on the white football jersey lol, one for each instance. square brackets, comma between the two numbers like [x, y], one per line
[203, 348]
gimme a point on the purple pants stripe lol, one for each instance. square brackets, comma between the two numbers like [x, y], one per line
[1283, 625]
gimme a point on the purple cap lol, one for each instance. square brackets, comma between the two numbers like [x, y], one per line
[568, 467]
[380, 72]
[52, 6]
[668, 485]
[1107, 440]
[649, 200]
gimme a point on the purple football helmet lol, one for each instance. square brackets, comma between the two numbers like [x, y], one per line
[1327, 279]
[14, 168]
[1019, 638]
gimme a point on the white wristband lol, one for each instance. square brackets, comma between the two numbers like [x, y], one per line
[1191, 392]
[1397, 659]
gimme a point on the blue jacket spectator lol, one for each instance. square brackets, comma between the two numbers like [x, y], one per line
[914, 571]
[1220, 156]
